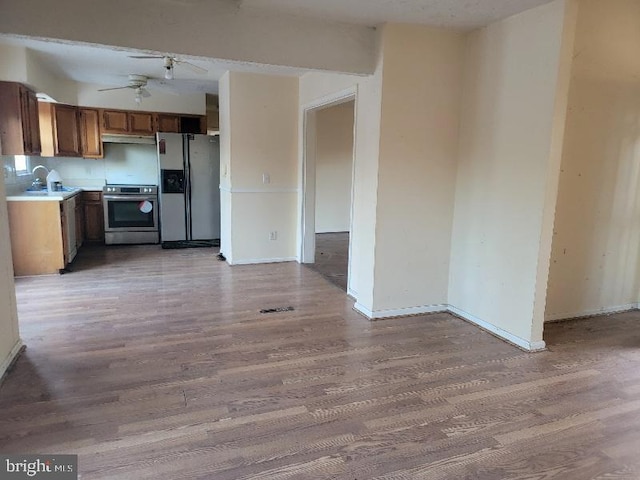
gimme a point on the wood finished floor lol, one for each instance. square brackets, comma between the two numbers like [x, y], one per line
[332, 257]
[155, 364]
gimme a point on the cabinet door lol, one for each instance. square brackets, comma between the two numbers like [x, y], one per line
[90, 142]
[34, 123]
[141, 123]
[79, 222]
[65, 131]
[115, 121]
[168, 123]
[36, 237]
[14, 122]
[30, 123]
[93, 217]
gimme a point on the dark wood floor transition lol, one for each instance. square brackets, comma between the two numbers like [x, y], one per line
[332, 257]
[156, 364]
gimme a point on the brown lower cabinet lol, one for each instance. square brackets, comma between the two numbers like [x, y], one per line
[93, 217]
[44, 234]
[41, 237]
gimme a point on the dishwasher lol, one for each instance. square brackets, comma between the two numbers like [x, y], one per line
[69, 213]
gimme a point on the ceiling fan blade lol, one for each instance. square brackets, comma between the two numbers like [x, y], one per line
[114, 88]
[144, 56]
[194, 68]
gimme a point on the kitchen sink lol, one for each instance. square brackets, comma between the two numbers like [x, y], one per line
[36, 193]
[44, 191]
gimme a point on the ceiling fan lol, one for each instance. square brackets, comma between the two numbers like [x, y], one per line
[170, 62]
[138, 84]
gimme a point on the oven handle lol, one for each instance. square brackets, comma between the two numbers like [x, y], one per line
[134, 198]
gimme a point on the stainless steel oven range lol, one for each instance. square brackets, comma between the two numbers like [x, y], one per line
[130, 214]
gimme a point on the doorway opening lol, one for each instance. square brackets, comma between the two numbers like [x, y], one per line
[328, 188]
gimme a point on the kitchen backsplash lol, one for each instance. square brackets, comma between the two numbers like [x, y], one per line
[14, 183]
[122, 163]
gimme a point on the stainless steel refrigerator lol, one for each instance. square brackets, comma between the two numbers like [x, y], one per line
[189, 170]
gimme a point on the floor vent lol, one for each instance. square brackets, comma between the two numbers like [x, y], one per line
[277, 310]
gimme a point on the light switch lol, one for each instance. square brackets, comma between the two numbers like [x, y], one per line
[266, 178]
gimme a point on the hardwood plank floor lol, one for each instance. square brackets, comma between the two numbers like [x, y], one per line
[156, 364]
[332, 257]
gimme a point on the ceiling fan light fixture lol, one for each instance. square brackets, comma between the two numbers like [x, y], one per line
[138, 97]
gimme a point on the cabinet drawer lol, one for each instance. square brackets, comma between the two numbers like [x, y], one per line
[92, 196]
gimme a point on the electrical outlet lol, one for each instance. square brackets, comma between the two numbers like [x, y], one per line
[273, 235]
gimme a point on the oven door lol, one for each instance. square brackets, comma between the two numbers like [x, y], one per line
[130, 213]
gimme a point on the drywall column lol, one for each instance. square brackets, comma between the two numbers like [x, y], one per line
[421, 87]
[595, 264]
[10, 343]
[514, 107]
[224, 98]
[259, 167]
[319, 88]
[334, 167]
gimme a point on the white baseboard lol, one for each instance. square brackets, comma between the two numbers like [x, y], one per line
[256, 261]
[400, 312]
[8, 361]
[592, 313]
[499, 332]
[489, 327]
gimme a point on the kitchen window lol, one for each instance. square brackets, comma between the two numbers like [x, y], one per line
[21, 164]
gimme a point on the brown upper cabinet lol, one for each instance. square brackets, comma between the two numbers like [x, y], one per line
[115, 121]
[168, 123]
[90, 141]
[142, 123]
[66, 136]
[19, 125]
[59, 130]
[69, 131]
[126, 122]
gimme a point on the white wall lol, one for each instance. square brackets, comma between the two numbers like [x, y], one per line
[13, 67]
[596, 247]
[334, 165]
[512, 118]
[421, 87]
[19, 64]
[122, 163]
[159, 101]
[215, 28]
[9, 335]
[43, 80]
[259, 136]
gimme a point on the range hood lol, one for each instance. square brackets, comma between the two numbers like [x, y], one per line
[139, 139]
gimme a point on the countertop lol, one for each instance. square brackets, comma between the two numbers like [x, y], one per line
[46, 196]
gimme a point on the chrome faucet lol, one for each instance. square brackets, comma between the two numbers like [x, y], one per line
[33, 172]
[37, 182]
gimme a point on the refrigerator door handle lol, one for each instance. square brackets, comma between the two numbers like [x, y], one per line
[187, 187]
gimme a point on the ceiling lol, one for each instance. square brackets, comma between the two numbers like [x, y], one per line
[110, 66]
[464, 14]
